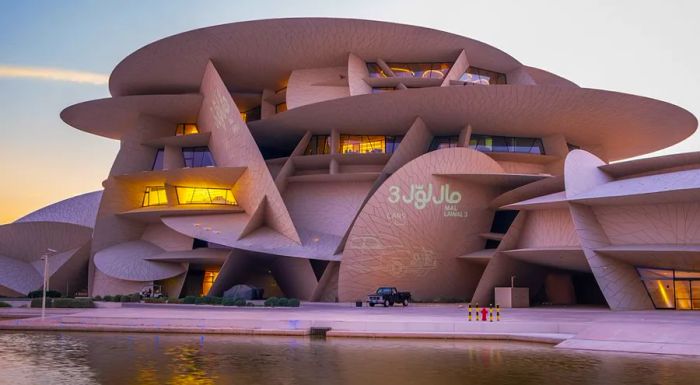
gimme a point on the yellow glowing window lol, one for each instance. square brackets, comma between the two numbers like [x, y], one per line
[244, 116]
[362, 144]
[203, 195]
[186, 129]
[208, 282]
[154, 196]
[281, 107]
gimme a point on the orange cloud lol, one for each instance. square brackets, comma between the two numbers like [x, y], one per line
[54, 74]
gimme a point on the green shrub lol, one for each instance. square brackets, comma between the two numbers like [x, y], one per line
[124, 298]
[200, 300]
[249, 304]
[240, 302]
[228, 301]
[189, 299]
[40, 293]
[117, 298]
[271, 302]
[134, 297]
[74, 303]
[5, 304]
[282, 302]
[97, 298]
[174, 300]
[155, 300]
[107, 298]
[293, 302]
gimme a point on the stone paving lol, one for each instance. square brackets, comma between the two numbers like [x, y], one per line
[668, 332]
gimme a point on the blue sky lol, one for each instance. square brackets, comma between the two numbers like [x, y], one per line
[647, 48]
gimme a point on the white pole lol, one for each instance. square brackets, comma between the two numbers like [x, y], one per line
[46, 281]
[43, 298]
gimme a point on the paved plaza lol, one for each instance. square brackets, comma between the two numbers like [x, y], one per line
[667, 332]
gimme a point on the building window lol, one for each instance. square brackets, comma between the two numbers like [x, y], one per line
[362, 144]
[319, 144]
[369, 144]
[154, 196]
[440, 142]
[204, 195]
[281, 107]
[251, 115]
[487, 143]
[572, 147]
[672, 289]
[208, 281]
[158, 161]
[475, 75]
[391, 143]
[197, 157]
[186, 129]
[411, 70]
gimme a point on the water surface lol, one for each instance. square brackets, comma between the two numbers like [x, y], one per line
[97, 358]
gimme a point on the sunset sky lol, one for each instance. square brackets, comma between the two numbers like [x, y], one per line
[55, 54]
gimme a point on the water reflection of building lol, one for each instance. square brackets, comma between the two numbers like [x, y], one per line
[323, 168]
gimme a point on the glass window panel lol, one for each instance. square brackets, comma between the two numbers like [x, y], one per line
[154, 196]
[687, 274]
[203, 195]
[158, 161]
[375, 71]
[362, 144]
[661, 293]
[683, 295]
[474, 75]
[197, 157]
[318, 144]
[655, 273]
[281, 107]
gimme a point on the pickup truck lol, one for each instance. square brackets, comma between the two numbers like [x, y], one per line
[388, 296]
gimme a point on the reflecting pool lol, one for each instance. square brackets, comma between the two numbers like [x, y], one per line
[96, 358]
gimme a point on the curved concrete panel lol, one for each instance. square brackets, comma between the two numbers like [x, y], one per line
[79, 210]
[296, 43]
[411, 244]
[129, 261]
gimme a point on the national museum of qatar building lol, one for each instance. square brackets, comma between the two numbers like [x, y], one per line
[323, 158]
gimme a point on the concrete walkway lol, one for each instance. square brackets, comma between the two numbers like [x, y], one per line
[666, 332]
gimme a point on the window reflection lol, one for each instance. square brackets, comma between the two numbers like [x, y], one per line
[186, 129]
[488, 143]
[203, 195]
[440, 142]
[474, 75]
[208, 281]
[319, 144]
[672, 289]
[158, 161]
[251, 115]
[411, 70]
[154, 196]
[369, 144]
[197, 157]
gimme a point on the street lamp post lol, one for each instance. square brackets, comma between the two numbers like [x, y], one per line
[46, 281]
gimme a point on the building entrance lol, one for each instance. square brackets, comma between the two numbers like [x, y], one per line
[672, 289]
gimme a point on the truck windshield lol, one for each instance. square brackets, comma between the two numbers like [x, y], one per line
[384, 290]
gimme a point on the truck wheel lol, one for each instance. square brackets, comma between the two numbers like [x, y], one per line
[386, 303]
[371, 304]
[405, 302]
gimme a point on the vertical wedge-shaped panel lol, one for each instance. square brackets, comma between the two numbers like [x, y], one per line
[413, 145]
[232, 145]
[357, 72]
[458, 68]
[619, 282]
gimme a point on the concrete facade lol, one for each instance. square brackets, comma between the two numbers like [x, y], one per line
[332, 162]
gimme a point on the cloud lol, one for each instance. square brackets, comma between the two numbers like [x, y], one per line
[54, 74]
